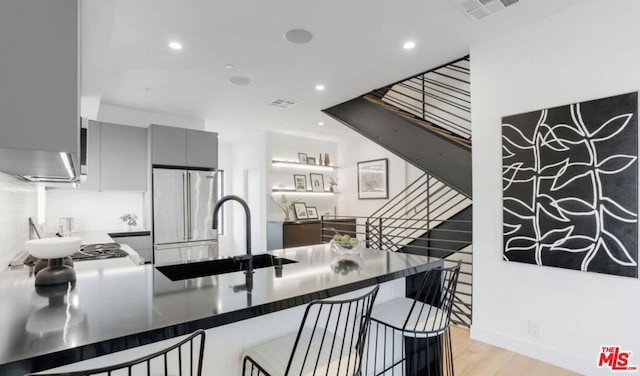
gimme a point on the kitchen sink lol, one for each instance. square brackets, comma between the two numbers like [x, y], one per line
[214, 267]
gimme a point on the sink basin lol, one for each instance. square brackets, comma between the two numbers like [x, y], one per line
[53, 248]
[215, 267]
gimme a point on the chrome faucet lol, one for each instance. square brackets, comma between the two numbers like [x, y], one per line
[247, 214]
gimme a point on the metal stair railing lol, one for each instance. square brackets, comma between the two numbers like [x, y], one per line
[376, 238]
[414, 211]
[439, 99]
[409, 222]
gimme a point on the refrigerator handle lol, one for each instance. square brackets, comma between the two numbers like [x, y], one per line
[188, 206]
[184, 206]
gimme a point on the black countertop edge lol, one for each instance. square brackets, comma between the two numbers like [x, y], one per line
[77, 354]
[129, 233]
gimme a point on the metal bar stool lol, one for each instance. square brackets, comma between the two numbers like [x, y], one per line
[330, 341]
[411, 336]
[177, 359]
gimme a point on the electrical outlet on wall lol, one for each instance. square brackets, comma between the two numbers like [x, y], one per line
[534, 328]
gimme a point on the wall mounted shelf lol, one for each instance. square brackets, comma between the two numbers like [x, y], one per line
[293, 191]
[294, 164]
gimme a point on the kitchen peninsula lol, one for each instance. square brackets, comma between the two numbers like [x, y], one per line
[117, 305]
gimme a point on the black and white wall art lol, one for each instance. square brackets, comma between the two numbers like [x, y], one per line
[570, 186]
[373, 179]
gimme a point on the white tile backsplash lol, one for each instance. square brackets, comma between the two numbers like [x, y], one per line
[92, 210]
[18, 202]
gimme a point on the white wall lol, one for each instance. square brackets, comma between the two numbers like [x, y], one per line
[286, 147]
[587, 52]
[359, 149]
[18, 202]
[91, 210]
[245, 170]
[139, 118]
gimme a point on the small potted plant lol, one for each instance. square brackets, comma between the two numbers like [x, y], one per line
[333, 183]
[129, 219]
[284, 204]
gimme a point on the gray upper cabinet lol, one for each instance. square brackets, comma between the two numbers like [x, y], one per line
[39, 96]
[171, 146]
[123, 158]
[202, 149]
[168, 145]
[116, 158]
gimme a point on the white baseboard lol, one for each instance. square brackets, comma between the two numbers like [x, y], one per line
[536, 351]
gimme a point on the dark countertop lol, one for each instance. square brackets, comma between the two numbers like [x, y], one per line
[117, 305]
[122, 234]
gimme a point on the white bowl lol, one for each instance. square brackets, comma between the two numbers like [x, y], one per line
[52, 248]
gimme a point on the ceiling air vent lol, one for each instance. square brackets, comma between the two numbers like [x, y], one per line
[281, 103]
[479, 9]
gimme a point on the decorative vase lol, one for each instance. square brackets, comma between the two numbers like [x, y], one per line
[326, 159]
[286, 215]
[331, 188]
[320, 159]
[126, 227]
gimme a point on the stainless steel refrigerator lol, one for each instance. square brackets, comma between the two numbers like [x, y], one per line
[183, 202]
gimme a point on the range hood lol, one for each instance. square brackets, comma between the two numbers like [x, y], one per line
[40, 166]
[40, 96]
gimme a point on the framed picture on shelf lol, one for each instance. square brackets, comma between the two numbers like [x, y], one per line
[301, 210]
[311, 160]
[302, 157]
[373, 179]
[300, 182]
[312, 212]
[317, 182]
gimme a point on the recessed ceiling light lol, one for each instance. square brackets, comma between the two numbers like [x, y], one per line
[409, 45]
[240, 81]
[175, 45]
[298, 36]
[319, 87]
[228, 66]
[321, 123]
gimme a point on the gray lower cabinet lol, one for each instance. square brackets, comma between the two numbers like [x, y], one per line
[123, 158]
[171, 146]
[140, 244]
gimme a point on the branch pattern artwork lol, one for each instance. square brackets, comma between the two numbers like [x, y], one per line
[570, 186]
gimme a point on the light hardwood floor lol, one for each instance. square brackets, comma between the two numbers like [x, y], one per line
[474, 358]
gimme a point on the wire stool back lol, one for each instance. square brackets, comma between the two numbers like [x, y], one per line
[410, 336]
[170, 361]
[330, 341]
[431, 308]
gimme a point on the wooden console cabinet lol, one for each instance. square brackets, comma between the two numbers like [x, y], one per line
[300, 233]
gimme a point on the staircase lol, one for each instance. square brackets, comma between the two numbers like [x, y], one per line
[432, 219]
[425, 120]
